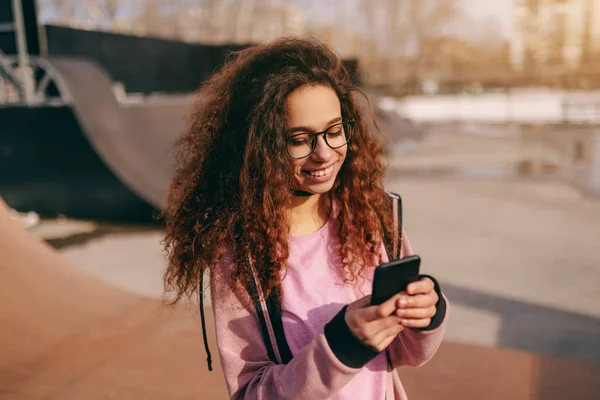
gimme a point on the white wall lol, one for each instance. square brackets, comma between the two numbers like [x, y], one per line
[595, 171]
[535, 106]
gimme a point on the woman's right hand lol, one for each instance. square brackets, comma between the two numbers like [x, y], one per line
[376, 326]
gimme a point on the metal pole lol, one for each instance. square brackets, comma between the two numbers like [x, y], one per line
[594, 181]
[23, 56]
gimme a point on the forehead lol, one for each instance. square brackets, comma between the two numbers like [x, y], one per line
[312, 107]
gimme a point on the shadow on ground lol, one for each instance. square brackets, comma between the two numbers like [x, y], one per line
[81, 238]
[536, 328]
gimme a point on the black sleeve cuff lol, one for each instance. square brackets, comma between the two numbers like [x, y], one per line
[349, 349]
[440, 312]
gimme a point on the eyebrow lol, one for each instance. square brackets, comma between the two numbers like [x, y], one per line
[307, 129]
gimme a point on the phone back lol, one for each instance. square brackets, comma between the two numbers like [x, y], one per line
[393, 277]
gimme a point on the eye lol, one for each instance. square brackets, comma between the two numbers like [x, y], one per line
[300, 140]
[335, 131]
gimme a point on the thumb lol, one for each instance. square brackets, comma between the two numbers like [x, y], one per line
[360, 303]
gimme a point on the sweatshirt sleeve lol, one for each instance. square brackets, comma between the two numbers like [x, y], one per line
[313, 373]
[414, 347]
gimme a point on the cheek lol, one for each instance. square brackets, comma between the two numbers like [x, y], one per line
[297, 165]
[342, 153]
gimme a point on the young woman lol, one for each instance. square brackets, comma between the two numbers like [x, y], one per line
[279, 194]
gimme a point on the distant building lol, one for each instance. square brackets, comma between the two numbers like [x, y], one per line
[555, 35]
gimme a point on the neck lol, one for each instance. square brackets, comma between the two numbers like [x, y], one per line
[308, 213]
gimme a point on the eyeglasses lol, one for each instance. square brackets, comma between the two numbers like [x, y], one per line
[303, 144]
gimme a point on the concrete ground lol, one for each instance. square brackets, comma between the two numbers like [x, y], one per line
[518, 258]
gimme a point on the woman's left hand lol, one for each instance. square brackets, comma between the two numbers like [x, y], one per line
[416, 306]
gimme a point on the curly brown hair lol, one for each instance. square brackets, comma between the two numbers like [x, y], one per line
[234, 179]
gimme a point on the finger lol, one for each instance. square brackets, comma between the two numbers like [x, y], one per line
[417, 301]
[369, 319]
[363, 302]
[372, 313]
[416, 323]
[388, 307]
[367, 329]
[416, 313]
[373, 328]
[385, 337]
[360, 303]
[422, 286]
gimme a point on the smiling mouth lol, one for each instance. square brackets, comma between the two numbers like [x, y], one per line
[319, 173]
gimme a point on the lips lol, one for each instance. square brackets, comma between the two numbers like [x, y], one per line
[320, 172]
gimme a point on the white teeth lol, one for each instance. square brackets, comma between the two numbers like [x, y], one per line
[323, 172]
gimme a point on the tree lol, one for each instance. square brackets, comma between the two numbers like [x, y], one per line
[97, 14]
[405, 30]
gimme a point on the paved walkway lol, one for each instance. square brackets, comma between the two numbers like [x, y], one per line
[66, 335]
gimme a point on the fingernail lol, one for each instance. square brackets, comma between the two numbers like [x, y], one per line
[403, 301]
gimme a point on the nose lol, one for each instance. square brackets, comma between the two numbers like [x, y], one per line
[322, 151]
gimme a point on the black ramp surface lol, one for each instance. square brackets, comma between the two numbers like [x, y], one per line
[49, 166]
[141, 64]
[135, 142]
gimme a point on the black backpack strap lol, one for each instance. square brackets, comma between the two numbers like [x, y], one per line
[274, 307]
[253, 291]
[393, 240]
[204, 336]
[393, 245]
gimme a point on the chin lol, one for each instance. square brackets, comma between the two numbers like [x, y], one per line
[320, 190]
[316, 188]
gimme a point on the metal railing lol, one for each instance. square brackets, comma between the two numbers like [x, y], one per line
[20, 74]
[45, 84]
[581, 110]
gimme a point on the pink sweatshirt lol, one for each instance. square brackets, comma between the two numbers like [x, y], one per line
[312, 296]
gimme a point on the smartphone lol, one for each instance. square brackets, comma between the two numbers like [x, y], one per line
[393, 277]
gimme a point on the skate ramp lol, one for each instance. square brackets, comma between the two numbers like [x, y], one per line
[135, 142]
[67, 335]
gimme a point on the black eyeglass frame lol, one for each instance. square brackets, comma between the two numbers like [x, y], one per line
[315, 138]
